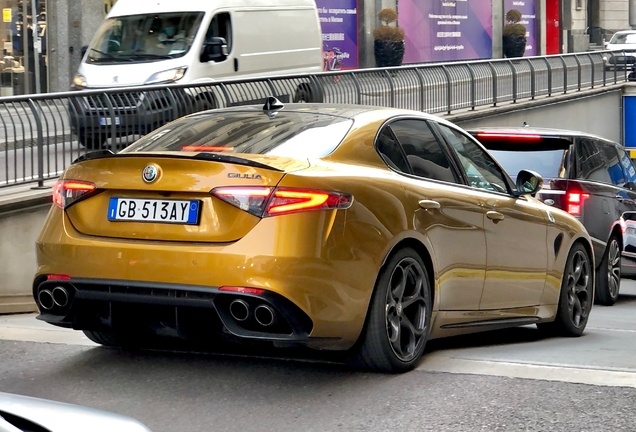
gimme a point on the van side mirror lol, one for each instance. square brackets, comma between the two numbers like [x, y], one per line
[630, 185]
[84, 49]
[214, 49]
[528, 182]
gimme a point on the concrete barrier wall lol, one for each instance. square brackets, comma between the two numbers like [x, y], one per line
[19, 230]
[598, 114]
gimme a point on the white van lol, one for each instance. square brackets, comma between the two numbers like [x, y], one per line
[149, 42]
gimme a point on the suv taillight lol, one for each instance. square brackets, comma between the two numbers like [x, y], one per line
[574, 201]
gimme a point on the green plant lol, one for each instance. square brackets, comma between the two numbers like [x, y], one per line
[513, 16]
[514, 29]
[386, 31]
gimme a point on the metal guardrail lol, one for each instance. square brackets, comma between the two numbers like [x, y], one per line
[42, 134]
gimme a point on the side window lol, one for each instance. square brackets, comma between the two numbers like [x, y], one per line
[593, 161]
[423, 152]
[221, 26]
[390, 151]
[628, 166]
[480, 168]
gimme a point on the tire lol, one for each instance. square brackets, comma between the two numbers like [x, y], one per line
[91, 141]
[608, 275]
[575, 299]
[395, 335]
[105, 338]
[307, 94]
[204, 102]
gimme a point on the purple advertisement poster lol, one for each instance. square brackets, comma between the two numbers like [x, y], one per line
[440, 30]
[528, 19]
[339, 22]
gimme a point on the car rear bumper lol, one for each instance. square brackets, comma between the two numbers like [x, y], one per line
[322, 300]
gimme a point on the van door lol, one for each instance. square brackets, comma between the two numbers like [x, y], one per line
[220, 26]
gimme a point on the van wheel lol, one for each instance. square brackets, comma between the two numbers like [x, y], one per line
[204, 102]
[608, 276]
[399, 316]
[307, 94]
[575, 299]
[92, 141]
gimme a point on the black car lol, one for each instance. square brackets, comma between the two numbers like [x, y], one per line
[591, 178]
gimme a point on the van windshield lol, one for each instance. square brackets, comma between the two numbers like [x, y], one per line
[139, 38]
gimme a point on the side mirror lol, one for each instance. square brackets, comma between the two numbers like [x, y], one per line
[84, 49]
[528, 182]
[214, 49]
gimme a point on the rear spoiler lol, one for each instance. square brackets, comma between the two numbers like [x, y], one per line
[208, 156]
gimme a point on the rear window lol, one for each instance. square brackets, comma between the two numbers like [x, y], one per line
[548, 163]
[292, 134]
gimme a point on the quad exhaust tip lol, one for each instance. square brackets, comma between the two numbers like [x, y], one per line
[60, 296]
[240, 310]
[45, 297]
[264, 315]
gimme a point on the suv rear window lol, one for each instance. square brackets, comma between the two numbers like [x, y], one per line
[292, 134]
[548, 163]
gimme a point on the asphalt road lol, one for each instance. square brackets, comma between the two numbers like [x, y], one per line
[511, 380]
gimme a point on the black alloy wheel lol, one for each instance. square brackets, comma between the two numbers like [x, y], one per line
[399, 315]
[608, 280]
[575, 301]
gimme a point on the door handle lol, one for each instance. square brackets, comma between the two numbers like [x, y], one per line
[495, 216]
[235, 64]
[429, 204]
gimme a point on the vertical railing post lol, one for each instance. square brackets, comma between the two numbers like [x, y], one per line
[578, 66]
[420, 79]
[40, 142]
[514, 81]
[547, 63]
[589, 56]
[533, 77]
[565, 75]
[391, 89]
[473, 90]
[494, 83]
[449, 93]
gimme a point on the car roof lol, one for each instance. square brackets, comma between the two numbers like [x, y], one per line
[543, 132]
[349, 111]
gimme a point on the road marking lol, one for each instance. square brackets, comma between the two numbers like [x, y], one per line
[436, 362]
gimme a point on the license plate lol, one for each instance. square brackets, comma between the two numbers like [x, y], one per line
[154, 210]
[107, 121]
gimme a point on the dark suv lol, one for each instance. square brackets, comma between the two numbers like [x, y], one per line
[589, 177]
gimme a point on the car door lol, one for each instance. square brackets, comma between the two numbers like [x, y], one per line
[445, 212]
[515, 228]
[220, 26]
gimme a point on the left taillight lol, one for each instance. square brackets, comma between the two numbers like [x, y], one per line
[67, 192]
[269, 201]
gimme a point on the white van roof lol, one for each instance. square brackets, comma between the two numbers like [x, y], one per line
[145, 7]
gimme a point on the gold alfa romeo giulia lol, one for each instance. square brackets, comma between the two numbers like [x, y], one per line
[364, 229]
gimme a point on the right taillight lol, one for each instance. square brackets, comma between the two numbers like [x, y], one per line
[66, 192]
[267, 201]
[574, 202]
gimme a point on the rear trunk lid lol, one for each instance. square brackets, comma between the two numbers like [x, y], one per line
[173, 202]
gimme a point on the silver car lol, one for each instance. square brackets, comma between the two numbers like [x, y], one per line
[23, 413]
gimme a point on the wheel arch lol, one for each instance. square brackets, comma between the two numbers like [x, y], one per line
[422, 251]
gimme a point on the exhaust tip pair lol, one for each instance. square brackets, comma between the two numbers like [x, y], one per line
[58, 296]
[264, 315]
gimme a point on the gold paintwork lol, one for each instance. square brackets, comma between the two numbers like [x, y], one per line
[326, 262]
